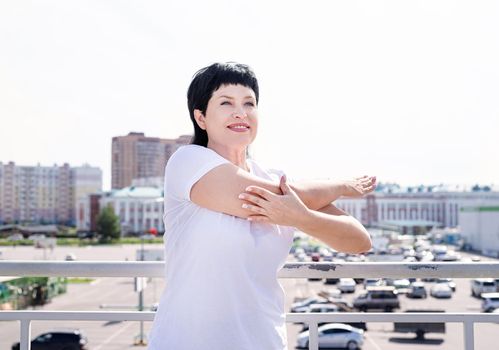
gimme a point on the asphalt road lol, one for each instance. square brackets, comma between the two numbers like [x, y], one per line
[119, 293]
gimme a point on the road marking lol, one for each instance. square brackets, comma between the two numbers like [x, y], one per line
[376, 346]
[110, 338]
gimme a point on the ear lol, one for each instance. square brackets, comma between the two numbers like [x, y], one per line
[199, 116]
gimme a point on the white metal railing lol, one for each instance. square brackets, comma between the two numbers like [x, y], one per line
[290, 270]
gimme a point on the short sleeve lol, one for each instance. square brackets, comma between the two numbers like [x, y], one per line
[186, 166]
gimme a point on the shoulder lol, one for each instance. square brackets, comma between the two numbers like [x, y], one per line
[193, 153]
[189, 150]
[262, 170]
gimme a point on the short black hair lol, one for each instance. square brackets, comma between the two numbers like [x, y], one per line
[209, 79]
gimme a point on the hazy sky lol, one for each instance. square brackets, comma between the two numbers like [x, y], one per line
[405, 90]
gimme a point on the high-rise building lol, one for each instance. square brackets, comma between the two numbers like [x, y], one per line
[41, 194]
[137, 156]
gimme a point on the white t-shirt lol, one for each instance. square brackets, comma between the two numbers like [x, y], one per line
[221, 271]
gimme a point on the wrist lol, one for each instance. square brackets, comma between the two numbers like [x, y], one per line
[306, 221]
[339, 188]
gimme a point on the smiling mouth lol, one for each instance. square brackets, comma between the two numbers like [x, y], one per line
[239, 127]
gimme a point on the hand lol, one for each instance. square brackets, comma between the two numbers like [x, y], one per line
[286, 209]
[359, 187]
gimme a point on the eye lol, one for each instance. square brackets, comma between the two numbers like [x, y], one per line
[225, 103]
[250, 104]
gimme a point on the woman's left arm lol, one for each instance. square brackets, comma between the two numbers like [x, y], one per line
[330, 224]
[317, 194]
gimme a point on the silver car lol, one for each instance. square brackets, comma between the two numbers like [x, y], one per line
[334, 335]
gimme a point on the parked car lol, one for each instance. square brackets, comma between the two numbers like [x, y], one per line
[401, 285]
[417, 290]
[490, 302]
[449, 281]
[331, 280]
[450, 255]
[441, 290]
[315, 257]
[482, 285]
[384, 298]
[347, 285]
[373, 282]
[334, 335]
[60, 340]
[70, 257]
[15, 237]
[323, 308]
[298, 306]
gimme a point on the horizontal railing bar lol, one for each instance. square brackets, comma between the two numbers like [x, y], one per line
[290, 270]
[390, 270]
[290, 317]
[77, 315]
[391, 317]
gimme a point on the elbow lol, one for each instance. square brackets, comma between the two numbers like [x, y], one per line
[365, 245]
[363, 242]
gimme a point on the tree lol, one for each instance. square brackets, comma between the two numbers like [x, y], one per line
[108, 225]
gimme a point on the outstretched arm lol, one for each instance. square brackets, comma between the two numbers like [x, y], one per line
[330, 224]
[218, 189]
[317, 194]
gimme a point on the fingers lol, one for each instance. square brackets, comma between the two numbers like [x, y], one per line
[253, 199]
[284, 185]
[262, 192]
[254, 208]
[258, 218]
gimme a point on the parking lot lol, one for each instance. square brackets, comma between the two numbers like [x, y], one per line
[118, 293]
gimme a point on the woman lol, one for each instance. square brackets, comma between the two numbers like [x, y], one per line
[229, 224]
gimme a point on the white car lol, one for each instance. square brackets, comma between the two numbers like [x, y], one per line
[373, 282]
[302, 306]
[441, 290]
[323, 308]
[334, 335]
[482, 285]
[346, 285]
[449, 281]
[490, 302]
[402, 285]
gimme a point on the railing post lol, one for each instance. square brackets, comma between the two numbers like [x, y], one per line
[469, 336]
[25, 343]
[313, 336]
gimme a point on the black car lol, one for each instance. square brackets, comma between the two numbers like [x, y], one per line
[61, 340]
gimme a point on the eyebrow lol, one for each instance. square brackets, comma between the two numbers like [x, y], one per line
[231, 98]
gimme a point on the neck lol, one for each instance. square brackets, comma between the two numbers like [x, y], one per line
[235, 156]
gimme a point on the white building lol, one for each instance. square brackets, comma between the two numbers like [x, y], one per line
[438, 208]
[479, 226]
[139, 209]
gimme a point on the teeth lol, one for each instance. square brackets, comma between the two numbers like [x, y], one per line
[239, 127]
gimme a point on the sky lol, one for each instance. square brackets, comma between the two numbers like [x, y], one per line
[404, 90]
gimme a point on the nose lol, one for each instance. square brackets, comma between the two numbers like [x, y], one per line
[239, 113]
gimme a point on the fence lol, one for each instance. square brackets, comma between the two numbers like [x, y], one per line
[290, 270]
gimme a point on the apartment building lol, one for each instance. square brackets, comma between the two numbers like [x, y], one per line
[44, 194]
[138, 156]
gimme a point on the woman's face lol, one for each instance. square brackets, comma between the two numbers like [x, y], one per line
[231, 118]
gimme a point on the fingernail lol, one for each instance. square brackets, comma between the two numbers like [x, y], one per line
[241, 196]
[250, 219]
[248, 189]
[245, 206]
